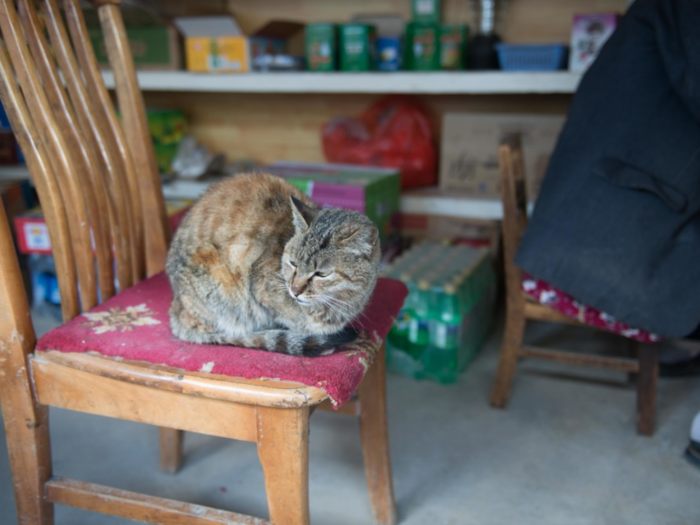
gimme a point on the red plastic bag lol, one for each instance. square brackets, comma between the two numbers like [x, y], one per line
[394, 132]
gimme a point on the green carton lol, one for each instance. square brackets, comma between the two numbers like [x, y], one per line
[422, 50]
[453, 46]
[321, 47]
[357, 51]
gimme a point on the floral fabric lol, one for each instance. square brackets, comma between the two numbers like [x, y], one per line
[560, 301]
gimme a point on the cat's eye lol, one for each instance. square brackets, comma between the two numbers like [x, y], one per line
[292, 263]
[323, 274]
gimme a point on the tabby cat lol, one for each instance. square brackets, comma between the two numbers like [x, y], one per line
[255, 263]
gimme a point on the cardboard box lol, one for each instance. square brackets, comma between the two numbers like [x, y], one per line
[369, 190]
[33, 233]
[321, 47]
[440, 227]
[469, 150]
[426, 11]
[588, 34]
[155, 44]
[272, 42]
[214, 44]
[357, 52]
[154, 48]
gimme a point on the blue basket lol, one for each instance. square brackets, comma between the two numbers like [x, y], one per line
[532, 57]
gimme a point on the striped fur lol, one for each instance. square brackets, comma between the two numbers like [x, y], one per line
[255, 263]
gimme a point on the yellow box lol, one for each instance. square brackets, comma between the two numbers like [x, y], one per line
[214, 44]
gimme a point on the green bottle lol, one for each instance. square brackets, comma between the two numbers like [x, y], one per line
[419, 324]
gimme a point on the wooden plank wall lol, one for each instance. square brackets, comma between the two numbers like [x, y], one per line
[268, 127]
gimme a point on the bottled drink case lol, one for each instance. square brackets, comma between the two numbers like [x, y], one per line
[448, 312]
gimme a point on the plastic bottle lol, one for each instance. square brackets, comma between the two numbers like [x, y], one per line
[446, 337]
[419, 324]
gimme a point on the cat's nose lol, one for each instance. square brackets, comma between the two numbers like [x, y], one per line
[296, 290]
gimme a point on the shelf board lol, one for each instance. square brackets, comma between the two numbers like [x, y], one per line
[430, 201]
[433, 201]
[427, 83]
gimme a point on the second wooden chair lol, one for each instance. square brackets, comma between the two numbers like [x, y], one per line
[521, 307]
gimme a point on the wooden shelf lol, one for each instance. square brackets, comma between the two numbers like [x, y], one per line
[428, 83]
[422, 201]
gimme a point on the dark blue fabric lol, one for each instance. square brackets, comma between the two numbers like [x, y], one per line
[617, 221]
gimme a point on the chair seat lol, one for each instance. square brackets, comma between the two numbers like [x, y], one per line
[562, 302]
[134, 326]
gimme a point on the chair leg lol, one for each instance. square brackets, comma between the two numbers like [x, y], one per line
[646, 388]
[375, 441]
[170, 449]
[512, 341]
[283, 448]
[27, 432]
[633, 352]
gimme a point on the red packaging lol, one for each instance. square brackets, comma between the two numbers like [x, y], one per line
[393, 133]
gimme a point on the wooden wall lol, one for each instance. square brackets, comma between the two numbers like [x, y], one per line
[267, 127]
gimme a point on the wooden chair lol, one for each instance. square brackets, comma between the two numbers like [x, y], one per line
[100, 192]
[521, 308]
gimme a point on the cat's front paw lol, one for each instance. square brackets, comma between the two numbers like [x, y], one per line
[330, 342]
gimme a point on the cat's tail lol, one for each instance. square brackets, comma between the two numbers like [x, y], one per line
[294, 343]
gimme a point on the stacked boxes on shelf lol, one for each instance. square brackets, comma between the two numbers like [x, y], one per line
[448, 312]
[33, 240]
[369, 190]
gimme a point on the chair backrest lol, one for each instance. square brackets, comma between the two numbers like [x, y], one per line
[95, 173]
[514, 199]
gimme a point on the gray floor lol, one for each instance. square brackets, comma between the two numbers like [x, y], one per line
[565, 452]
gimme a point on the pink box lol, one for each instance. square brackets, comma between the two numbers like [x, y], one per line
[588, 34]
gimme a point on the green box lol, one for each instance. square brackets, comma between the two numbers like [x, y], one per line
[321, 47]
[357, 51]
[448, 313]
[422, 49]
[154, 47]
[453, 46]
[370, 190]
[426, 11]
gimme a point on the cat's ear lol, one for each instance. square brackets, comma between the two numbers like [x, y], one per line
[361, 238]
[302, 215]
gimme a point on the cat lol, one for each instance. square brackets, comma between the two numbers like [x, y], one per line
[255, 263]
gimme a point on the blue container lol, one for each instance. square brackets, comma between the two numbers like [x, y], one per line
[388, 53]
[532, 57]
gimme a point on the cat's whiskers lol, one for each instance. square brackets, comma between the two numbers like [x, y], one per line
[342, 306]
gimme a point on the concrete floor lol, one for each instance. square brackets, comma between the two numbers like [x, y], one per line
[565, 452]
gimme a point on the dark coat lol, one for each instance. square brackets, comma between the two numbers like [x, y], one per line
[617, 222]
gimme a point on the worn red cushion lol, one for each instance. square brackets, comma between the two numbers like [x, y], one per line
[134, 325]
[554, 298]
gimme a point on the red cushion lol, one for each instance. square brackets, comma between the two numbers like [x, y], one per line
[134, 325]
[554, 298]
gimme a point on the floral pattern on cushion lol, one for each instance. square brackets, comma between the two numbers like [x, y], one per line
[562, 302]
